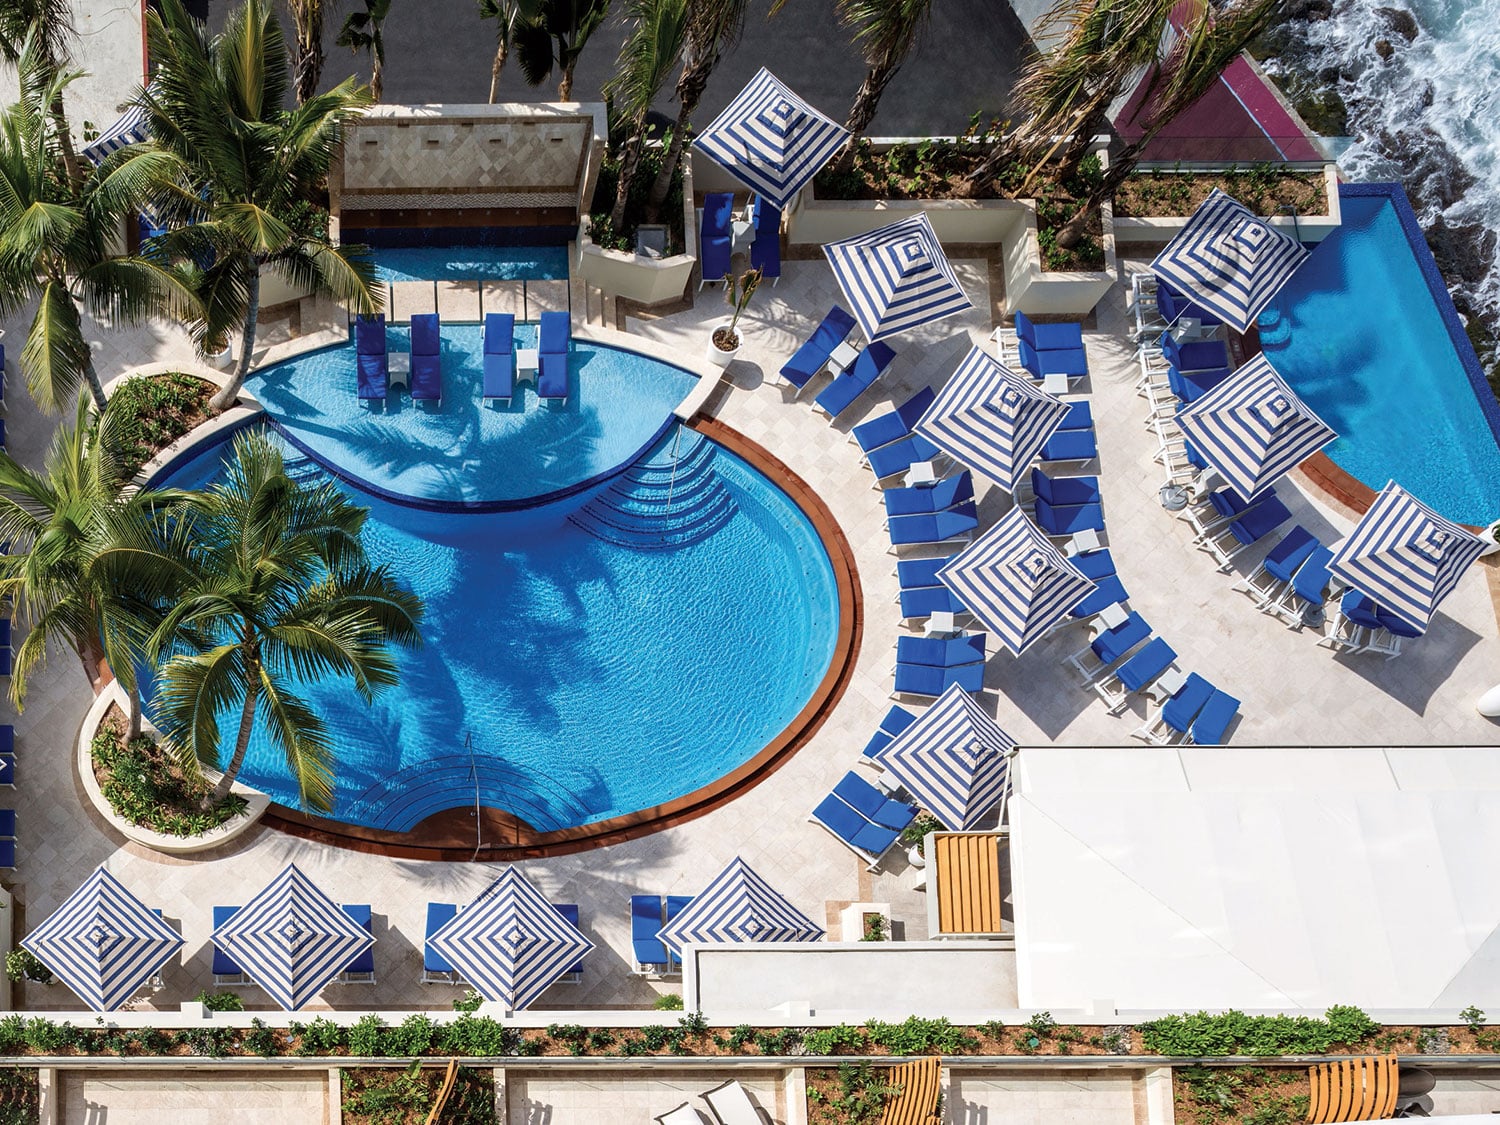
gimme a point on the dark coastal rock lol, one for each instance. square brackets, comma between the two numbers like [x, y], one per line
[1427, 95]
[1402, 22]
[1384, 49]
[1435, 177]
[1462, 250]
[1311, 11]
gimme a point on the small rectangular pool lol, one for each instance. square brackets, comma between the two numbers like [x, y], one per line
[1367, 334]
[473, 254]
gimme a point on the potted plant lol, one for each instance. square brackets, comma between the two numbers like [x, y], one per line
[915, 834]
[22, 964]
[1491, 536]
[724, 340]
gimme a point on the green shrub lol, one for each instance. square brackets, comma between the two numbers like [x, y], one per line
[468, 1002]
[1234, 1033]
[22, 964]
[833, 1040]
[321, 1037]
[20, 1101]
[395, 1097]
[364, 1037]
[917, 1036]
[150, 412]
[472, 1036]
[12, 1034]
[145, 786]
[572, 1035]
[220, 1001]
[601, 1040]
[262, 1040]
[412, 1036]
[783, 1042]
[668, 1002]
[211, 1042]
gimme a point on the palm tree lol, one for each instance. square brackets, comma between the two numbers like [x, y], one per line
[307, 44]
[58, 239]
[509, 16]
[885, 31]
[554, 39]
[80, 570]
[713, 26]
[48, 24]
[244, 168]
[1191, 68]
[650, 53]
[362, 32]
[279, 591]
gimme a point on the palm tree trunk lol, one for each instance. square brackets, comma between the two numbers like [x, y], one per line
[629, 162]
[91, 376]
[663, 184]
[377, 75]
[1120, 167]
[502, 49]
[307, 67]
[565, 87]
[241, 741]
[133, 695]
[65, 142]
[862, 112]
[231, 390]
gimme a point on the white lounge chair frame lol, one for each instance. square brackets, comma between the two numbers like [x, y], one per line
[731, 1104]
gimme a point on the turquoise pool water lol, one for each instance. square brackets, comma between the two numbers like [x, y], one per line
[469, 263]
[1365, 333]
[600, 654]
[466, 451]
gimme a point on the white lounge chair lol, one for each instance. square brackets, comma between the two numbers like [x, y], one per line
[685, 1114]
[732, 1105]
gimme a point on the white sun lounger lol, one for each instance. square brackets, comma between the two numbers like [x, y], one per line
[684, 1114]
[732, 1105]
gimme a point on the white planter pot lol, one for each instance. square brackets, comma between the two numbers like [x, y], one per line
[717, 355]
[1492, 544]
[915, 857]
[1489, 703]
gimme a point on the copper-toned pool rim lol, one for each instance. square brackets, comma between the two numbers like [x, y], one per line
[450, 835]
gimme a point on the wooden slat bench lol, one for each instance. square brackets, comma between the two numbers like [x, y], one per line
[1355, 1089]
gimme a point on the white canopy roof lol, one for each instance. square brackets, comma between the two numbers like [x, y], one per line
[1257, 878]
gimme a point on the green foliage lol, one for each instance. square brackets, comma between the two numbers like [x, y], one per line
[917, 1036]
[600, 1039]
[1234, 1033]
[148, 413]
[262, 1040]
[839, 1040]
[1473, 1017]
[22, 964]
[861, 1093]
[211, 1042]
[220, 1001]
[570, 1034]
[694, 1023]
[412, 1036]
[479, 1037]
[12, 1034]
[20, 1101]
[321, 1037]
[1042, 1025]
[787, 1041]
[740, 1035]
[657, 1037]
[919, 829]
[146, 786]
[468, 1002]
[603, 233]
[394, 1097]
[668, 1002]
[364, 1036]
[1246, 1095]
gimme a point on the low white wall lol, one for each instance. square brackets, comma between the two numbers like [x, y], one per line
[1307, 228]
[1042, 292]
[647, 281]
[814, 221]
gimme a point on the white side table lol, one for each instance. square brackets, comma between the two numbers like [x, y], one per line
[843, 355]
[1055, 384]
[1168, 684]
[1083, 542]
[527, 362]
[398, 364]
[1113, 615]
[942, 623]
[920, 475]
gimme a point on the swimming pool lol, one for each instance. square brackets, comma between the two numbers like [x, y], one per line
[585, 658]
[466, 452]
[1367, 335]
[470, 263]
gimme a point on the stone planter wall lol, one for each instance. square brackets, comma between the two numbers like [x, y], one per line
[1036, 291]
[647, 281]
[1308, 228]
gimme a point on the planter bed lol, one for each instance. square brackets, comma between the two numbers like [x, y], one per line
[404, 1096]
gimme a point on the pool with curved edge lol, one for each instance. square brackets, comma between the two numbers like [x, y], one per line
[464, 452]
[585, 658]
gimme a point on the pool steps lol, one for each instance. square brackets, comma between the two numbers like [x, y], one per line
[671, 497]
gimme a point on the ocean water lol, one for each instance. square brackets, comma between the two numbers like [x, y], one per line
[1428, 116]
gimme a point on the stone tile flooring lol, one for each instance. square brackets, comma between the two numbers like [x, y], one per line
[192, 1098]
[1052, 1098]
[560, 1097]
[1294, 692]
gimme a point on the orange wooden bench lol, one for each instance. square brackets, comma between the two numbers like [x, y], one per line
[1356, 1089]
[916, 1103]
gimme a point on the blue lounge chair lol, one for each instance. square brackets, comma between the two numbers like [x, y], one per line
[360, 970]
[927, 600]
[435, 967]
[936, 652]
[645, 923]
[552, 356]
[893, 425]
[1308, 585]
[1080, 416]
[872, 804]
[7, 824]
[1068, 361]
[1071, 445]
[848, 385]
[7, 855]
[500, 356]
[1107, 591]
[7, 739]
[1097, 565]
[1192, 385]
[370, 358]
[675, 904]
[1178, 713]
[1068, 519]
[1395, 626]
[225, 970]
[1279, 567]
[426, 358]
[1194, 355]
[1109, 646]
[913, 574]
[1154, 658]
[811, 357]
[1065, 490]
[937, 527]
[1211, 723]
[765, 251]
[924, 680]
[901, 455]
[569, 910]
[1048, 337]
[715, 237]
[1360, 610]
[7, 771]
[869, 841]
[1172, 305]
[896, 720]
[7, 653]
[1259, 520]
[937, 497]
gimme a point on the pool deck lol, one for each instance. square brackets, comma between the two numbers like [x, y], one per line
[1294, 692]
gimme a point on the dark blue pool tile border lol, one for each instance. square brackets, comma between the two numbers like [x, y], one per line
[1411, 227]
[414, 238]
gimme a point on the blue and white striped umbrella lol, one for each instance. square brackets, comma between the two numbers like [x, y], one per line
[1253, 428]
[771, 139]
[897, 277]
[1405, 557]
[1015, 581]
[511, 943]
[955, 760]
[1229, 260]
[103, 942]
[292, 939]
[738, 906]
[991, 419]
[131, 129]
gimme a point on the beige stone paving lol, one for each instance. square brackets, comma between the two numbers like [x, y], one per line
[1057, 1097]
[1293, 692]
[560, 1097]
[192, 1098]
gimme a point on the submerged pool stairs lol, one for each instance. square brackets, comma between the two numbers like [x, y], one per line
[671, 497]
[403, 800]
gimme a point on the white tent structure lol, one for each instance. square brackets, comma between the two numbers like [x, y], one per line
[1256, 878]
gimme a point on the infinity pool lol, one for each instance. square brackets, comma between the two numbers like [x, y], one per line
[470, 263]
[1366, 333]
[583, 659]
